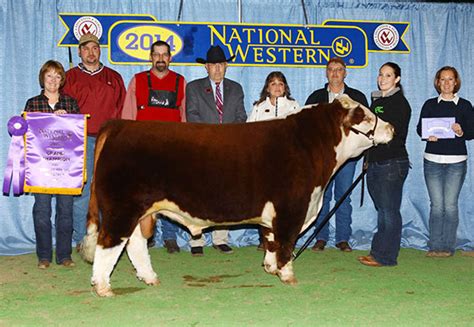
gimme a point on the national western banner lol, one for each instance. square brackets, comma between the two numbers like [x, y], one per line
[55, 153]
[252, 44]
[129, 38]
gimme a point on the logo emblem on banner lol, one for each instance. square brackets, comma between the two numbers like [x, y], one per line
[386, 37]
[342, 46]
[87, 24]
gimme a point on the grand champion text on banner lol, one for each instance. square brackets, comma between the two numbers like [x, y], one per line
[55, 157]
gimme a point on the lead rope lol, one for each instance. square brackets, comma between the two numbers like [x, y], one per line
[336, 206]
[70, 57]
[180, 10]
[239, 10]
[365, 166]
[304, 13]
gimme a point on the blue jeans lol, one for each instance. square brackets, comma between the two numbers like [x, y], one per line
[168, 228]
[341, 183]
[43, 228]
[81, 202]
[444, 183]
[385, 184]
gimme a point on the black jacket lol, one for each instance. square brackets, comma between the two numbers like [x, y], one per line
[393, 109]
[322, 96]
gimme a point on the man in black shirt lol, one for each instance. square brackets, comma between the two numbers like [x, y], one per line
[336, 73]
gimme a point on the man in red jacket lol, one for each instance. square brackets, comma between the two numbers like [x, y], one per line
[99, 92]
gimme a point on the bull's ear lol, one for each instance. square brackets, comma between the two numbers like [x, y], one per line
[347, 102]
[355, 117]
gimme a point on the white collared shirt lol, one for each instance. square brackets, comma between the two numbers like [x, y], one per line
[332, 95]
[455, 99]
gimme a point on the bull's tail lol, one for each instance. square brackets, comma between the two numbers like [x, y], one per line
[93, 220]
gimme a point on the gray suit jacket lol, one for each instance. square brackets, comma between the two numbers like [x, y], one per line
[201, 106]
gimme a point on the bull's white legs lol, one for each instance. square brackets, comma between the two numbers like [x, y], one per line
[89, 243]
[286, 274]
[273, 260]
[138, 253]
[269, 263]
[104, 262]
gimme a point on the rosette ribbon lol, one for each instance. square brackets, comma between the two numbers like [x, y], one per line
[15, 168]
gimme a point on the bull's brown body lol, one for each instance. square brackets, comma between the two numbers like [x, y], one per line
[268, 173]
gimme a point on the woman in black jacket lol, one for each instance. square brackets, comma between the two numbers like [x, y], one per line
[388, 168]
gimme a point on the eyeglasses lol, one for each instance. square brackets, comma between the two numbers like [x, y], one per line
[336, 70]
[157, 55]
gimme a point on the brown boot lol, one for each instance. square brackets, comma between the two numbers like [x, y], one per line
[319, 246]
[344, 246]
[43, 264]
[68, 263]
[171, 246]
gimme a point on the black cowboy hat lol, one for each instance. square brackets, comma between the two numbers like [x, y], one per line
[214, 55]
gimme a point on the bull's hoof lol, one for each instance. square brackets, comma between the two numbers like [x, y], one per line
[103, 291]
[289, 281]
[272, 270]
[153, 282]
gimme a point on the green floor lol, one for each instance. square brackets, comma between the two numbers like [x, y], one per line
[233, 290]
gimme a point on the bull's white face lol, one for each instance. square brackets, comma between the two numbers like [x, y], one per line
[369, 132]
[382, 131]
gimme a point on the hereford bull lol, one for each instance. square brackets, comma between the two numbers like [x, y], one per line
[269, 173]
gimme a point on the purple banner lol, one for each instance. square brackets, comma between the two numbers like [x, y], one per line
[55, 153]
[15, 168]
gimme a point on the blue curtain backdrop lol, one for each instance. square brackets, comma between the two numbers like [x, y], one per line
[439, 34]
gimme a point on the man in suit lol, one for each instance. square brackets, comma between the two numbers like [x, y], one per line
[336, 73]
[216, 100]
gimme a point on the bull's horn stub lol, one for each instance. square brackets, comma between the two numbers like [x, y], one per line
[346, 101]
[345, 104]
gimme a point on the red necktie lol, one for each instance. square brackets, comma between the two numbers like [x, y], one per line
[219, 102]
